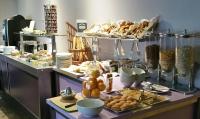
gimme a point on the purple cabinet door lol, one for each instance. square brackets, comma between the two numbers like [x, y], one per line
[67, 82]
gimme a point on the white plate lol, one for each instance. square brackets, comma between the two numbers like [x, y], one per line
[160, 88]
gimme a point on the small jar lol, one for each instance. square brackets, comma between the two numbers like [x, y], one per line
[109, 82]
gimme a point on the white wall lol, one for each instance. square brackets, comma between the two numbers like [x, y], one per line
[65, 12]
[8, 8]
[179, 14]
[175, 14]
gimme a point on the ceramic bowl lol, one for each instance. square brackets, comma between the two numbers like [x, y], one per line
[90, 107]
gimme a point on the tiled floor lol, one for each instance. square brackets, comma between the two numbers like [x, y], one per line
[10, 109]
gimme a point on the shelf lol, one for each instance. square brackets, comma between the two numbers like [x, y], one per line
[98, 37]
[77, 50]
[39, 35]
[103, 37]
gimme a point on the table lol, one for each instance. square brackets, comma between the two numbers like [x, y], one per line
[179, 106]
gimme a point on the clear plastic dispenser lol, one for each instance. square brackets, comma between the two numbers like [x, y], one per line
[167, 59]
[152, 55]
[184, 61]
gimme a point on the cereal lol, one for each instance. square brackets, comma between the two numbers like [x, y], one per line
[152, 56]
[184, 59]
[167, 60]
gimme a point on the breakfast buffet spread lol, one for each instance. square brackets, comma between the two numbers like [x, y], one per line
[122, 85]
[39, 59]
[116, 86]
[103, 88]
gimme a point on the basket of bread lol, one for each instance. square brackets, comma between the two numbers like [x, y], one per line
[123, 28]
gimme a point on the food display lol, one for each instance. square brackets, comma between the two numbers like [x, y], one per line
[27, 30]
[184, 59]
[133, 99]
[87, 66]
[121, 103]
[42, 58]
[15, 53]
[93, 86]
[167, 60]
[123, 28]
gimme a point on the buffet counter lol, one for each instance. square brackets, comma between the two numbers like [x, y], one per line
[178, 106]
[27, 84]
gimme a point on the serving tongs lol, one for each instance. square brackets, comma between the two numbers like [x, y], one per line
[142, 99]
[119, 50]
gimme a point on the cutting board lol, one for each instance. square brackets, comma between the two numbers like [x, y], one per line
[58, 101]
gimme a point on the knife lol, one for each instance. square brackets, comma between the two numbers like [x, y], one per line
[67, 106]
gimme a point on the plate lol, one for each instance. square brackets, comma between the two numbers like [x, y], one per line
[160, 88]
[154, 88]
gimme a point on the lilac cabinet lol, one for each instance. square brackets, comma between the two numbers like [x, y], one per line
[63, 81]
[28, 85]
[4, 74]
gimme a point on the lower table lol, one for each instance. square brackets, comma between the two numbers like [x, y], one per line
[180, 106]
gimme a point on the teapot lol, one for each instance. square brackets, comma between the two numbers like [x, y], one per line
[128, 76]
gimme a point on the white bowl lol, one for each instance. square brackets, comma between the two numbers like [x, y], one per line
[90, 107]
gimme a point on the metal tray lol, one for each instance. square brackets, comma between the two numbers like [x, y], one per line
[143, 104]
[139, 107]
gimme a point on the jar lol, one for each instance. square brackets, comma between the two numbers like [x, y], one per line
[63, 60]
[109, 82]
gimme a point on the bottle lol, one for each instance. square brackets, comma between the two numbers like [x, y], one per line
[109, 82]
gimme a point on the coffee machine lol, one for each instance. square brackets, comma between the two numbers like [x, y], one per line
[12, 26]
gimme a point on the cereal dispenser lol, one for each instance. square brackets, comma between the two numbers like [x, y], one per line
[167, 59]
[152, 54]
[184, 61]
